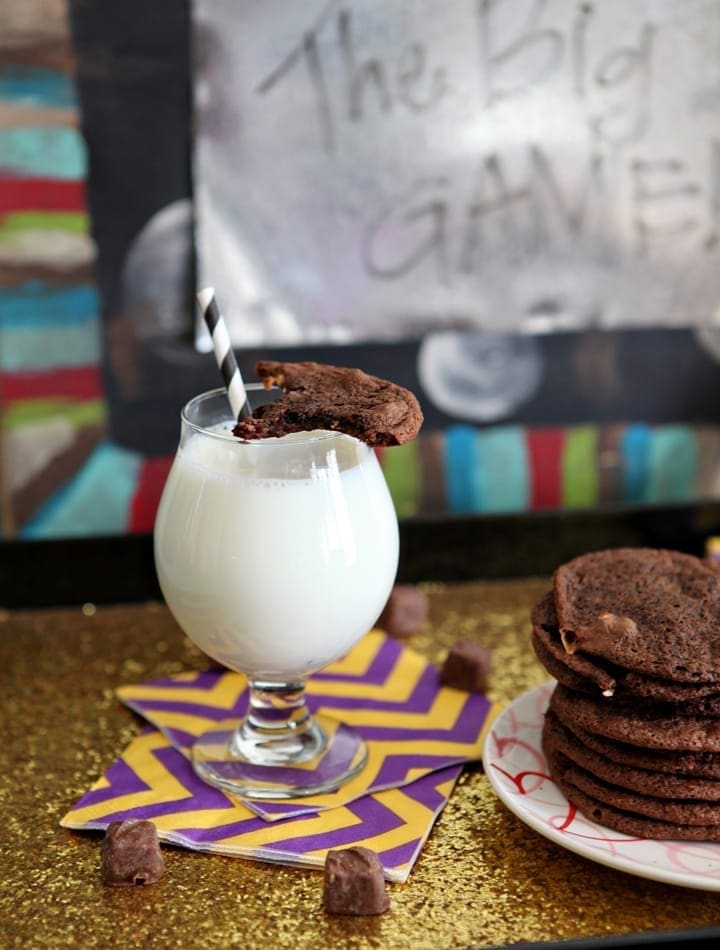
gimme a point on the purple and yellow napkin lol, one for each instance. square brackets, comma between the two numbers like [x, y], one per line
[419, 734]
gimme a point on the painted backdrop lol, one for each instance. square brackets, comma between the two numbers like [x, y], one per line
[97, 349]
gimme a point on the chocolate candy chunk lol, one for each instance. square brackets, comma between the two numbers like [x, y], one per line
[405, 612]
[131, 854]
[354, 883]
[467, 666]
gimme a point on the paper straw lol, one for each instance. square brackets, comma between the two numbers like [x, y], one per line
[224, 353]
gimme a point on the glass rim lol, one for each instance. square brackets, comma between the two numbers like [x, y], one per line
[318, 436]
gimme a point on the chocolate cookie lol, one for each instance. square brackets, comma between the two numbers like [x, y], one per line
[653, 727]
[678, 812]
[578, 672]
[645, 781]
[632, 732]
[653, 611]
[316, 396]
[637, 826]
[677, 761]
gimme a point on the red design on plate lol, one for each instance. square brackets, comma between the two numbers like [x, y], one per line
[516, 768]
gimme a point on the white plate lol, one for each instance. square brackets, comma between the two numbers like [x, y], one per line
[515, 765]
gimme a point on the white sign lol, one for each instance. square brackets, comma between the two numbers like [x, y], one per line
[371, 170]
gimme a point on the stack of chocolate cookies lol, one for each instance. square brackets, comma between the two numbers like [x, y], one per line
[632, 731]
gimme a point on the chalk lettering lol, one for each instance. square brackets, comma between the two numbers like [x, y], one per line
[494, 198]
[659, 218]
[358, 75]
[591, 192]
[412, 73]
[523, 56]
[406, 235]
[306, 51]
[578, 42]
[594, 175]
[408, 80]
[713, 238]
[626, 119]
[507, 214]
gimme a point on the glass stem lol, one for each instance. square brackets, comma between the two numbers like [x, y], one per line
[278, 724]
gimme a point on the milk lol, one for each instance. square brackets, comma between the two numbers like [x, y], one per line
[275, 576]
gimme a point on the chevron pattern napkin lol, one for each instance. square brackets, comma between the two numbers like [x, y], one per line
[419, 735]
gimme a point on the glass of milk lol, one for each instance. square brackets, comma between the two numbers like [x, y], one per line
[275, 556]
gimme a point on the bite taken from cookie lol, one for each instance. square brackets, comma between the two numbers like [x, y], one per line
[316, 396]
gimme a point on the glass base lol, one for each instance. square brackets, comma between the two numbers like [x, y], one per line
[325, 756]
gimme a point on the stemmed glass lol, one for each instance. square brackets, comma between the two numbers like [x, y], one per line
[275, 556]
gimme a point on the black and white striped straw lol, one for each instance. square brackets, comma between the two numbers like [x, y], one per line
[224, 353]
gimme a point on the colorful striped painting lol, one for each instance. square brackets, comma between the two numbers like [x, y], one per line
[60, 472]
[508, 469]
[52, 410]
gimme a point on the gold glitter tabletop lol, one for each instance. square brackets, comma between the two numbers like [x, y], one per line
[483, 879]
